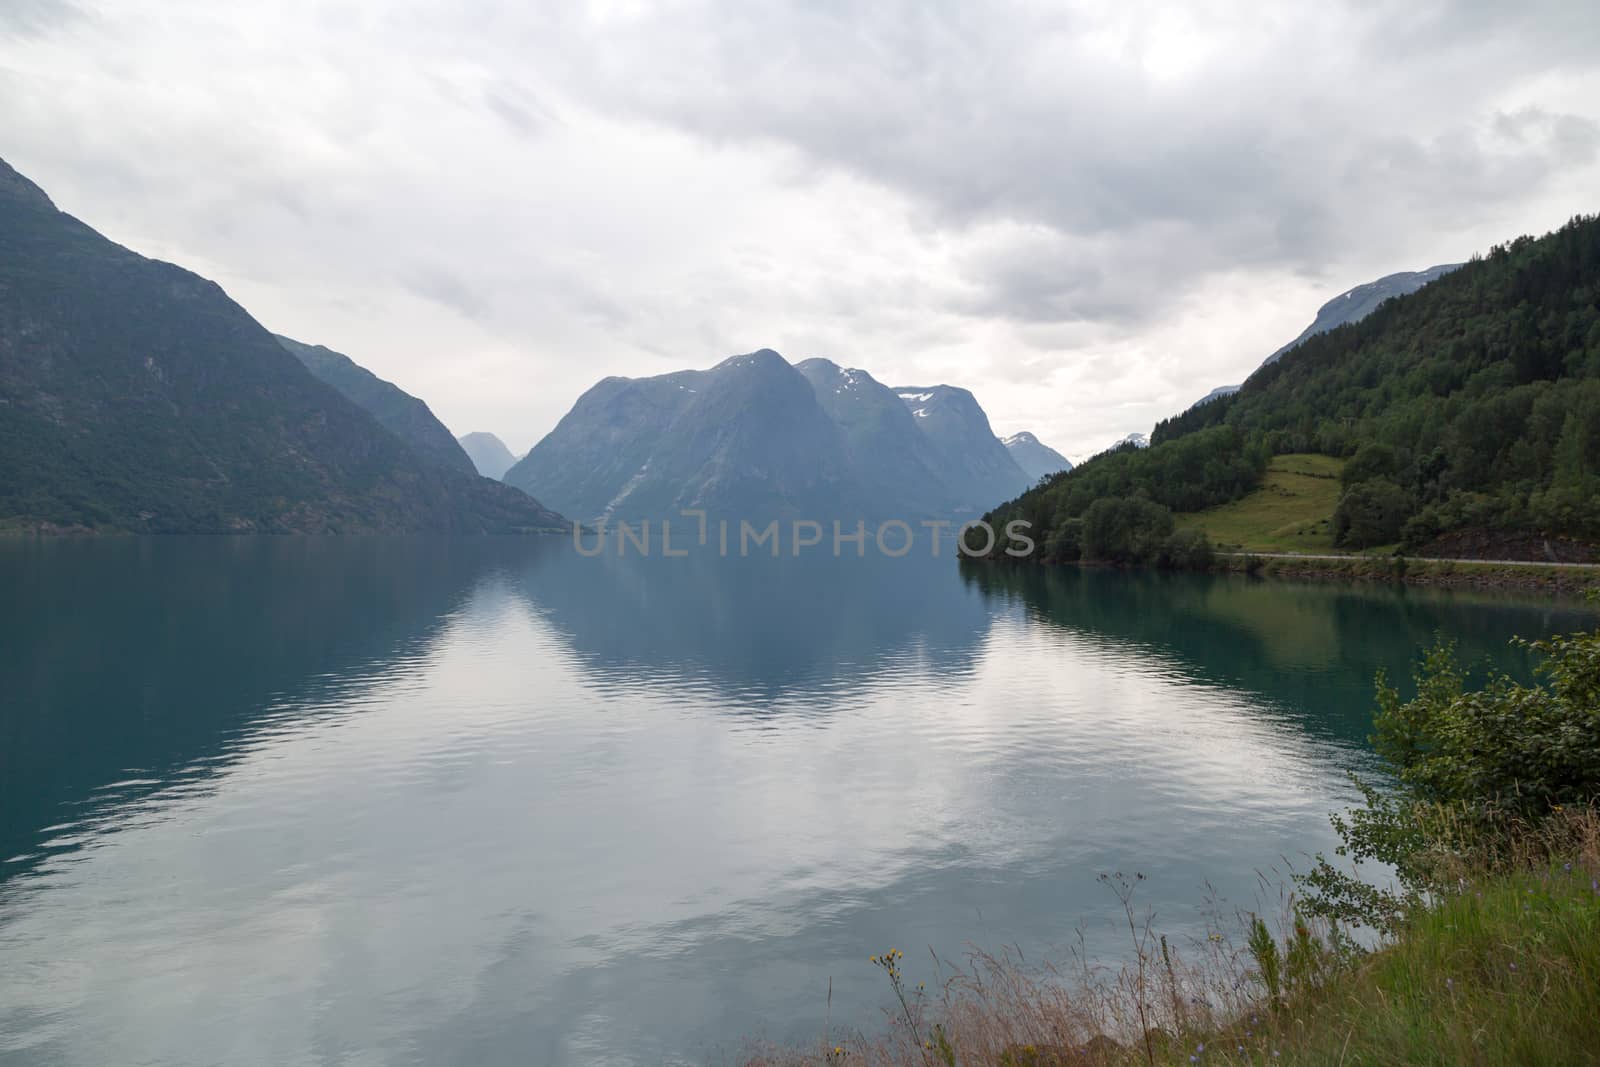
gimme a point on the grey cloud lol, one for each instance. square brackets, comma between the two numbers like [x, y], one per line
[518, 108]
[1282, 158]
[28, 18]
[441, 286]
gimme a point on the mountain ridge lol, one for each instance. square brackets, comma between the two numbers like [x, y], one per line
[755, 436]
[137, 396]
[407, 417]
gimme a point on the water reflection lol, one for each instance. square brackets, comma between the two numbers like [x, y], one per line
[487, 802]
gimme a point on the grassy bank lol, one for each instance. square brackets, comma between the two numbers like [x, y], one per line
[1504, 970]
[1482, 945]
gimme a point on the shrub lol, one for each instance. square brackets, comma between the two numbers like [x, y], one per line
[1188, 550]
[1521, 747]
[1479, 770]
[1370, 513]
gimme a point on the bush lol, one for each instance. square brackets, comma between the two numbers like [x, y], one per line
[1523, 748]
[1373, 512]
[1123, 530]
[1483, 774]
[1188, 550]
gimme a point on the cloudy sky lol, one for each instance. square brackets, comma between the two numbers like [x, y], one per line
[1087, 213]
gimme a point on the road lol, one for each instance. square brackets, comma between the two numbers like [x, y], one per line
[1417, 559]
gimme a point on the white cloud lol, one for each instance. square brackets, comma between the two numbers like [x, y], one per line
[1089, 214]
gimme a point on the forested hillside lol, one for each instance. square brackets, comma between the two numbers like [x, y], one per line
[1469, 407]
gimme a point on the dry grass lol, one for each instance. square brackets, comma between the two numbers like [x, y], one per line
[1502, 967]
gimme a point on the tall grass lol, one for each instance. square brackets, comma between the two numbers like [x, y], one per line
[1498, 965]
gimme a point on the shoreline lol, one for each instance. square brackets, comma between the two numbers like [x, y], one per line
[1552, 578]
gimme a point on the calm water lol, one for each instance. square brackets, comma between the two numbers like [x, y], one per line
[341, 801]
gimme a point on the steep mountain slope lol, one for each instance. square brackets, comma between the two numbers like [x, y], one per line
[756, 438]
[135, 395]
[488, 453]
[891, 458]
[395, 409]
[1352, 305]
[1037, 459]
[976, 468]
[745, 439]
[1469, 411]
[1355, 304]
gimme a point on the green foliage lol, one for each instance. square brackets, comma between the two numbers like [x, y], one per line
[1290, 511]
[1187, 550]
[1479, 394]
[1198, 472]
[1476, 768]
[1371, 461]
[1065, 543]
[1373, 512]
[1523, 748]
[1119, 530]
[1264, 950]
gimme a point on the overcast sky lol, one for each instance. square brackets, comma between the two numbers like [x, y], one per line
[1089, 214]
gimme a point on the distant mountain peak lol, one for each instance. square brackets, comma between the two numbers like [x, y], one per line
[756, 437]
[1357, 303]
[488, 453]
[1352, 305]
[1037, 459]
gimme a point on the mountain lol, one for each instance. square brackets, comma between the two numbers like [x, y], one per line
[745, 439]
[975, 466]
[488, 453]
[136, 396]
[1352, 305]
[756, 438]
[1466, 414]
[891, 459]
[1219, 391]
[396, 410]
[1037, 459]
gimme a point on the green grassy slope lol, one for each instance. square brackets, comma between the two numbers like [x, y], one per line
[1291, 511]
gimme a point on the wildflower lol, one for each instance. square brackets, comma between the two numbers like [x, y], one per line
[1513, 966]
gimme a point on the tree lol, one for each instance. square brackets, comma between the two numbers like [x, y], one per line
[1371, 513]
[1124, 530]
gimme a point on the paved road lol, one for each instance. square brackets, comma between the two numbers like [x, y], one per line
[1417, 559]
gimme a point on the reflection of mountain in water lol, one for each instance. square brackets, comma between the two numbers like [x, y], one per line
[759, 631]
[127, 661]
[1311, 649]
